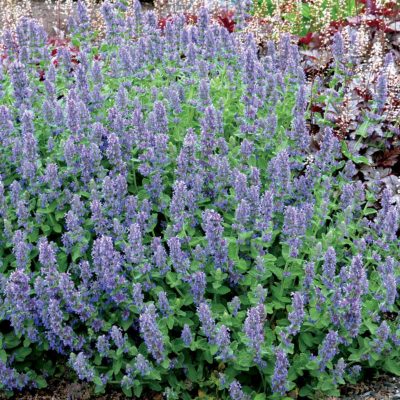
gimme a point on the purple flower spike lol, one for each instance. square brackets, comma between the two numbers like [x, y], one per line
[329, 349]
[279, 378]
[254, 331]
[151, 333]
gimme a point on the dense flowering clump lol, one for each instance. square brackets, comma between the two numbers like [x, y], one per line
[171, 213]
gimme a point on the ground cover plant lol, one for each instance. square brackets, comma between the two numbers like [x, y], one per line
[172, 222]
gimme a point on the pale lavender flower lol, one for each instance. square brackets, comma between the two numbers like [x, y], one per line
[6, 125]
[355, 370]
[236, 392]
[186, 335]
[329, 268]
[294, 228]
[210, 126]
[163, 304]
[246, 148]
[216, 244]
[381, 92]
[118, 338]
[103, 345]
[390, 224]
[179, 258]
[390, 284]
[296, 316]
[328, 349]
[81, 366]
[204, 92]
[260, 293]
[207, 321]
[178, 205]
[11, 379]
[21, 249]
[198, 284]
[382, 336]
[240, 185]
[234, 304]
[113, 151]
[279, 378]
[348, 297]
[222, 340]
[159, 256]
[53, 320]
[142, 365]
[151, 333]
[280, 173]
[265, 210]
[329, 152]
[137, 295]
[242, 215]
[339, 370]
[254, 331]
[107, 262]
[47, 253]
[135, 249]
[19, 304]
[20, 82]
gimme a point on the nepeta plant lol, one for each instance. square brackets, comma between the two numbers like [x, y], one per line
[169, 222]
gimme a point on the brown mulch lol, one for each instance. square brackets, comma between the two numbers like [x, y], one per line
[63, 390]
[381, 387]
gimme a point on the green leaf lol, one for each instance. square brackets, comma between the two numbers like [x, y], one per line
[57, 228]
[119, 352]
[128, 391]
[369, 211]
[223, 290]
[306, 391]
[3, 356]
[278, 272]
[307, 339]
[233, 251]
[137, 389]
[117, 365]
[242, 265]
[97, 381]
[11, 341]
[269, 258]
[75, 41]
[170, 322]
[392, 366]
[362, 130]
[327, 386]
[41, 382]
[22, 352]
[192, 373]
